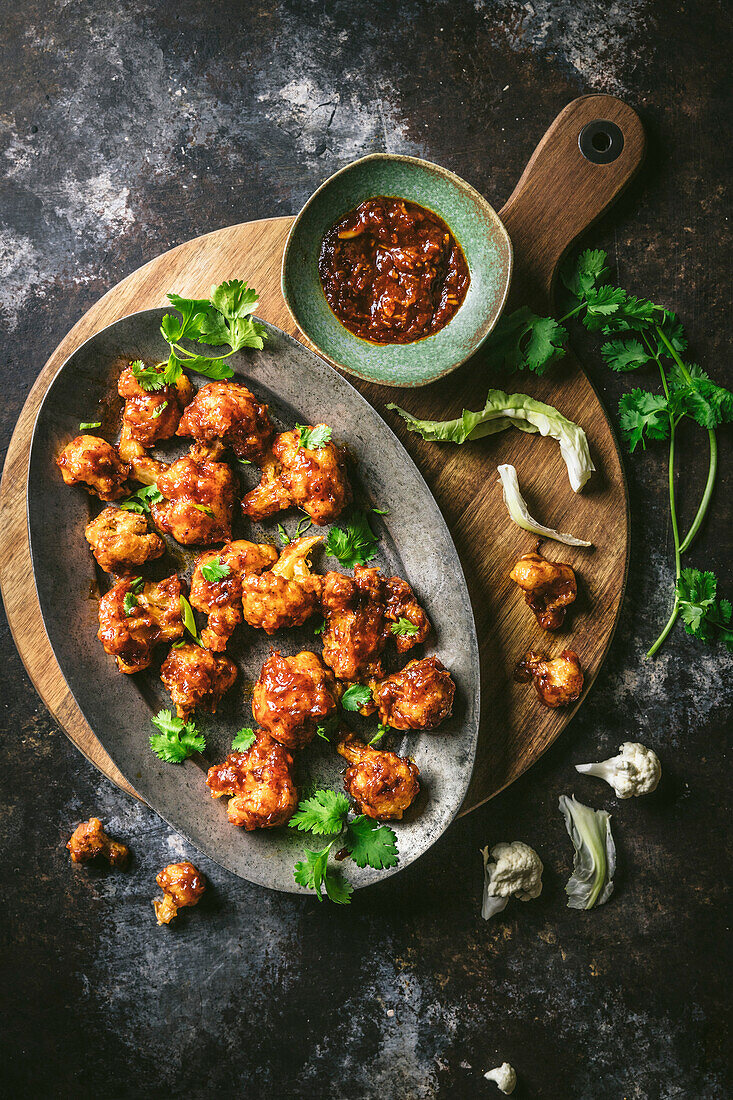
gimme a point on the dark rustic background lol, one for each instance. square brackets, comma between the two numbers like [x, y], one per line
[128, 127]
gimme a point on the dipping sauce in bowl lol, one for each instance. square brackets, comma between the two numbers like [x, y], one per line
[392, 271]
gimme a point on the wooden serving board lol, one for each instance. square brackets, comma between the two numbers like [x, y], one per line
[559, 195]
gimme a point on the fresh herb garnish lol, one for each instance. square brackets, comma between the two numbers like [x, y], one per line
[381, 730]
[244, 461]
[303, 525]
[320, 627]
[704, 616]
[159, 410]
[314, 872]
[403, 626]
[90, 424]
[243, 740]
[323, 813]
[177, 739]
[129, 603]
[327, 727]
[203, 508]
[371, 844]
[284, 536]
[141, 499]
[381, 511]
[189, 621]
[215, 570]
[524, 341]
[313, 439]
[356, 696]
[354, 543]
[148, 378]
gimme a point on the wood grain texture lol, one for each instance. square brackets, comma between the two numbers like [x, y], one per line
[557, 197]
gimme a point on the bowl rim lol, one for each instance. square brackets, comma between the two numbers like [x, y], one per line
[457, 181]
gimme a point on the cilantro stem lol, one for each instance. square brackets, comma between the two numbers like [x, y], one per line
[573, 312]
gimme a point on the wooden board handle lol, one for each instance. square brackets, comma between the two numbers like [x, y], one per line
[593, 149]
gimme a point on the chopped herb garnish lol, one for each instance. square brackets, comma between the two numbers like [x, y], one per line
[320, 628]
[356, 696]
[327, 727]
[381, 730]
[189, 621]
[159, 411]
[303, 525]
[90, 424]
[243, 740]
[129, 603]
[177, 739]
[141, 500]
[215, 570]
[354, 543]
[382, 511]
[404, 626]
[313, 439]
[284, 536]
[203, 508]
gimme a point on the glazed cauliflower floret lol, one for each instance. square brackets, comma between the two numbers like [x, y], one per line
[94, 463]
[196, 677]
[516, 871]
[121, 542]
[152, 415]
[198, 501]
[401, 604]
[635, 771]
[89, 840]
[229, 412]
[292, 696]
[419, 697]
[549, 587]
[221, 598]
[134, 618]
[182, 885]
[260, 784]
[286, 595]
[382, 784]
[356, 630]
[558, 681]
[312, 478]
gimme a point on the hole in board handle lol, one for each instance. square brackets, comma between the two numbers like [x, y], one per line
[601, 141]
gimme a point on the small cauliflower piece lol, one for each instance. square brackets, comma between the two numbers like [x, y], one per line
[221, 599]
[558, 681]
[198, 500]
[312, 478]
[121, 542]
[182, 885]
[516, 871]
[259, 783]
[133, 620]
[382, 784]
[229, 412]
[89, 840]
[287, 594]
[196, 677]
[151, 415]
[504, 1077]
[635, 771]
[419, 697]
[549, 588]
[95, 464]
[293, 696]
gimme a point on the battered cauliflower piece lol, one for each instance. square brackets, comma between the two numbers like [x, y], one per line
[260, 782]
[154, 617]
[636, 770]
[293, 696]
[227, 411]
[121, 542]
[221, 599]
[401, 604]
[94, 463]
[89, 840]
[382, 784]
[143, 469]
[195, 677]
[419, 697]
[356, 630]
[286, 595]
[198, 501]
[182, 885]
[549, 588]
[558, 681]
[314, 479]
[151, 416]
[516, 871]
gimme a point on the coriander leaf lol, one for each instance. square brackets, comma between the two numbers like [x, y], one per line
[672, 329]
[129, 603]
[582, 275]
[244, 461]
[141, 500]
[136, 584]
[234, 299]
[403, 626]
[159, 411]
[315, 873]
[177, 740]
[313, 439]
[215, 570]
[217, 369]
[243, 740]
[704, 616]
[338, 889]
[633, 315]
[83, 427]
[371, 844]
[625, 355]
[284, 536]
[246, 333]
[320, 628]
[147, 378]
[643, 416]
[524, 341]
[356, 696]
[600, 304]
[707, 403]
[381, 730]
[323, 813]
[189, 621]
[173, 369]
[353, 544]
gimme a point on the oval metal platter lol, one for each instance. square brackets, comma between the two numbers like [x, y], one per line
[414, 542]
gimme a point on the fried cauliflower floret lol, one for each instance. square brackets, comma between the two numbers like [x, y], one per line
[558, 681]
[293, 696]
[382, 784]
[89, 840]
[94, 463]
[221, 599]
[182, 885]
[195, 677]
[401, 604]
[198, 501]
[229, 412]
[149, 416]
[314, 479]
[356, 629]
[260, 782]
[287, 594]
[143, 469]
[419, 697]
[548, 586]
[154, 617]
[121, 542]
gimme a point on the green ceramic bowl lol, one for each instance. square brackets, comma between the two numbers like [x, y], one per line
[474, 224]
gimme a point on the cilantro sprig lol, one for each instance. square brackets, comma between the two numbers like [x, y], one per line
[403, 626]
[141, 499]
[369, 844]
[215, 570]
[176, 739]
[703, 614]
[352, 543]
[356, 696]
[313, 439]
[243, 740]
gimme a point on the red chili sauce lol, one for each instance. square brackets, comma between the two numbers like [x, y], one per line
[392, 271]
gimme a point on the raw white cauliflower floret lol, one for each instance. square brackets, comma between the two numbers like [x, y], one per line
[636, 770]
[516, 871]
[504, 1076]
